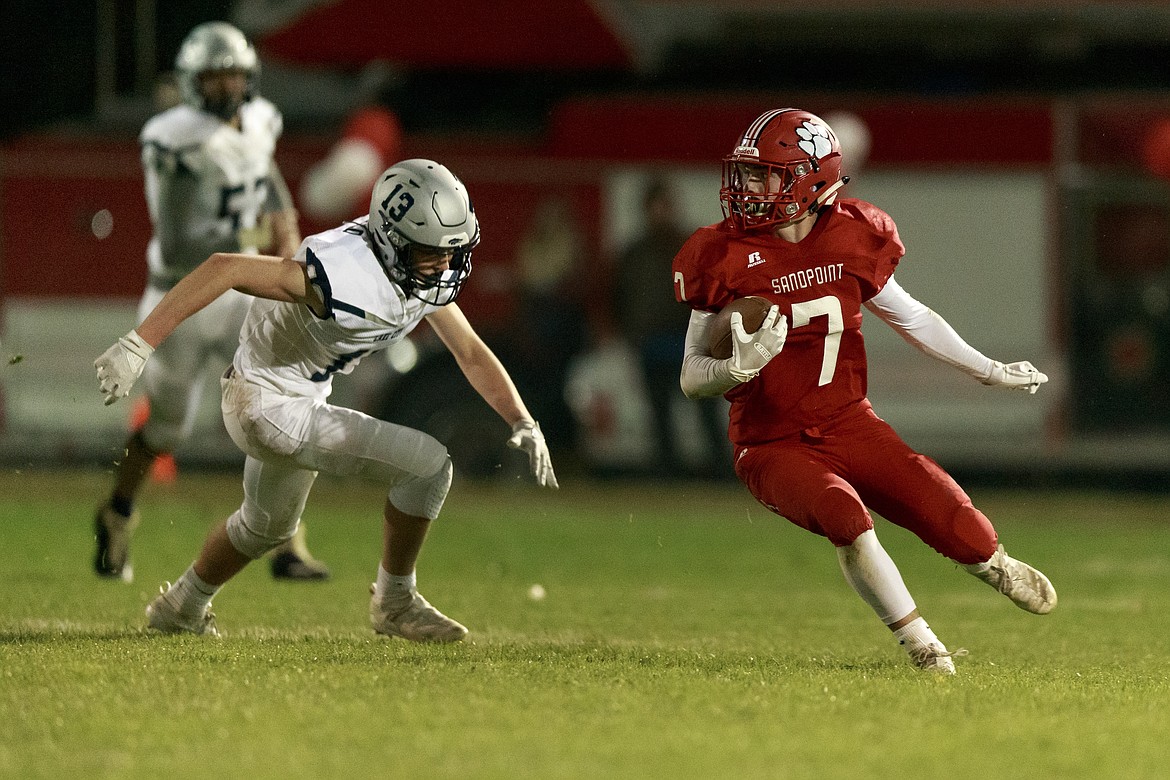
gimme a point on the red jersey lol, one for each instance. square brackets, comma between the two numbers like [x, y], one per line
[820, 284]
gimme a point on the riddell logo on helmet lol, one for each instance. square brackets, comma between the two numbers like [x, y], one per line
[747, 151]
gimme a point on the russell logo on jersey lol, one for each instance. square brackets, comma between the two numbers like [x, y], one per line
[754, 259]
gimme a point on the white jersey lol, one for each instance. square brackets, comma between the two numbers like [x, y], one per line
[207, 184]
[287, 348]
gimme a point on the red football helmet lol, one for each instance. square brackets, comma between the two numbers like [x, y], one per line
[786, 165]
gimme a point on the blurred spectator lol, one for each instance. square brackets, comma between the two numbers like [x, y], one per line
[654, 323]
[338, 187]
[1120, 318]
[1119, 303]
[550, 267]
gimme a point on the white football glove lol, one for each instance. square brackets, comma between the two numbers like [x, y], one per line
[121, 365]
[526, 436]
[750, 352]
[1016, 376]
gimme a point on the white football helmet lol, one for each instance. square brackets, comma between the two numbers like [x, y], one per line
[420, 205]
[215, 46]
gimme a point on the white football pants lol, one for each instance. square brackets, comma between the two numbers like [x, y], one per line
[288, 439]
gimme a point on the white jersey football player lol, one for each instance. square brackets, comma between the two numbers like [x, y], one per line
[348, 292]
[211, 186]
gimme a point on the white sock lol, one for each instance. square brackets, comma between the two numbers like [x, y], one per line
[978, 569]
[916, 632]
[191, 594]
[871, 572]
[388, 581]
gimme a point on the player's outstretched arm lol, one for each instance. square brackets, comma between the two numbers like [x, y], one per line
[264, 276]
[930, 333]
[276, 278]
[489, 378]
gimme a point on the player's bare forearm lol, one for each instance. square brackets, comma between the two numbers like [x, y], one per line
[263, 276]
[490, 379]
[487, 375]
[479, 364]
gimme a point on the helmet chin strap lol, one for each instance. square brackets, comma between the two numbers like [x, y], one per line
[829, 194]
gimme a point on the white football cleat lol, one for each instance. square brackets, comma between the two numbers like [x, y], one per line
[408, 615]
[162, 616]
[1026, 586]
[932, 657]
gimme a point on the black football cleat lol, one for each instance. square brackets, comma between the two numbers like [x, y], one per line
[112, 533]
[290, 566]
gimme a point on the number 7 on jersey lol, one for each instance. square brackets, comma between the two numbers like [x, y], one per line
[828, 306]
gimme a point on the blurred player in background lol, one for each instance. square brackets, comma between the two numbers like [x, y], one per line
[807, 442]
[348, 292]
[212, 185]
[654, 322]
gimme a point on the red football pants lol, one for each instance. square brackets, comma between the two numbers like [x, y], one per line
[824, 479]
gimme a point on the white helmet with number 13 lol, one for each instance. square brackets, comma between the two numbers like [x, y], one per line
[419, 205]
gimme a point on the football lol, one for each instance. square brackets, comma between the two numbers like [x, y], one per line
[753, 308]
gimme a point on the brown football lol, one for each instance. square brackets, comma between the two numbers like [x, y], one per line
[753, 308]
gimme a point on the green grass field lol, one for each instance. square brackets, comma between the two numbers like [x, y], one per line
[686, 632]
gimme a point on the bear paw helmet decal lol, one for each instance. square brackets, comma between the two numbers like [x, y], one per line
[814, 139]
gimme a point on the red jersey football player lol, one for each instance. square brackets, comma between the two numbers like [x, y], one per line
[806, 441]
